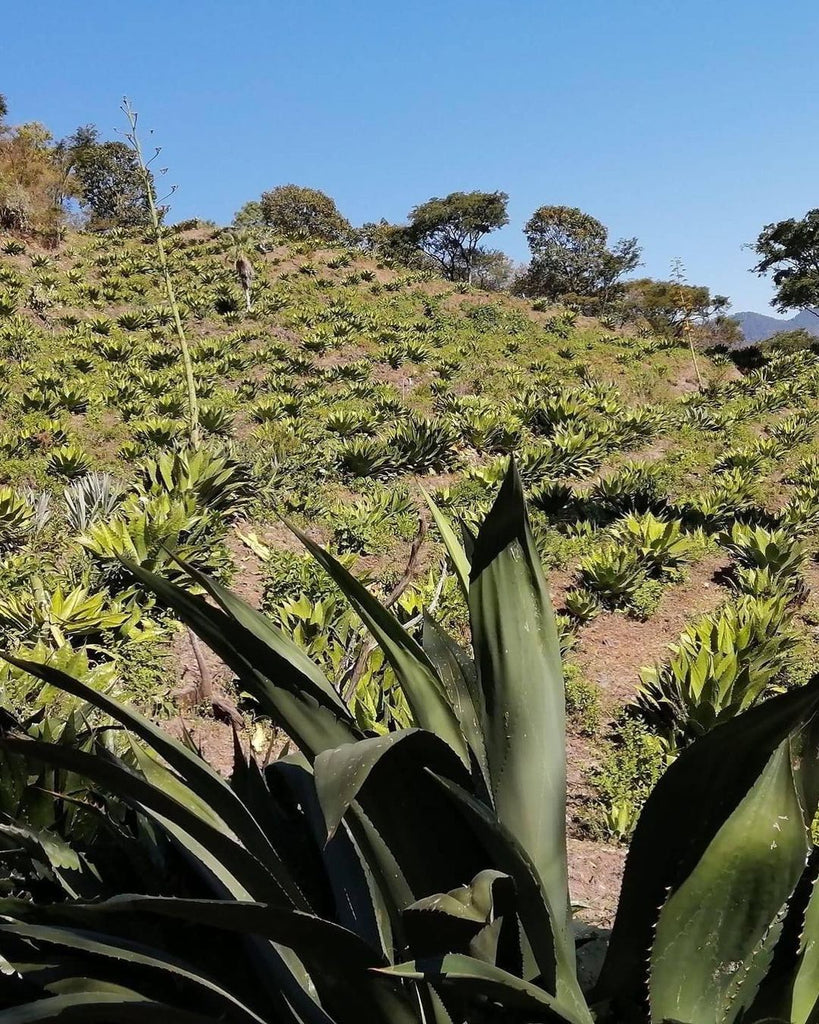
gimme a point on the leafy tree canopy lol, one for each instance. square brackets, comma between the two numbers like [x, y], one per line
[668, 305]
[298, 212]
[249, 216]
[108, 180]
[394, 243]
[789, 250]
[570, 255]
[789, 341]
[450, 229]
[32, 180]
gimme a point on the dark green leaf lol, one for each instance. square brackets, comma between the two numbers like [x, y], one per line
[518, 658]
[688, 807]
[424, 691]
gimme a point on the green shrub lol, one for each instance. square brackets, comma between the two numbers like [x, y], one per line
[582, 702]
[632, 767]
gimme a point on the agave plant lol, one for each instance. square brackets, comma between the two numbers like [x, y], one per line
[490, 430]
[17, 517]
[212, 478]
[720, 666]
[60, 615]
[148, 530]
[47, 825]
[365, 457]
[659, 543]
[754, 547]
[634, 487]
[216, 419]
[613, 572]
[582, 604]
[423, 445]
[92, 497]
[733, 492]
[333, 886]
[68, 461]
[346, 423]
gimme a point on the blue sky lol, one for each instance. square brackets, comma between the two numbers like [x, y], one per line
[689, 125]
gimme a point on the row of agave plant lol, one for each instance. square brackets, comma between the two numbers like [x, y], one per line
[416, 877]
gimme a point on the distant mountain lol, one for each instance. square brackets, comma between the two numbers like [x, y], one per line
[759, 327]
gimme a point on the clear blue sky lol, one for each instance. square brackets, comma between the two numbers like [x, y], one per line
[688, 124]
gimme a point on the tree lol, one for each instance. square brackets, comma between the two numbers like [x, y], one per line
[107, 178]
[570, 255]
[667, 306]
[32, 180]
[790, 341]
[790, 249]
[298, 212]
[493, 270]
[250, 216]
[392, 242]
[450, 229]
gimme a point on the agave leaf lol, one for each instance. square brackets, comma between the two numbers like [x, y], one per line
[724, 915]
[287, 685]
[92, 1005]
[274, 639]
[479, 919]
[389, 778]
[686, 811]
[468, 539]
[457, 555]
[518, 658]
[341, 773]
[201, 779]
[319, 942]
[789, 988]
[805, 1005]
[475, 978]
[424, 691]
[433, 1010]
[239, 870]
[554, 960]
[457, 673]
[358, 889]
[337, 959]
[133, 954]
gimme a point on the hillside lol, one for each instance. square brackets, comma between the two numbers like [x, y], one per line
[759, 327]
[347, 388]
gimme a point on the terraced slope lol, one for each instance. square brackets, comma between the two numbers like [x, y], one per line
[661, 492]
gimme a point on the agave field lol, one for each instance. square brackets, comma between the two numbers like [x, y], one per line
[375, 409]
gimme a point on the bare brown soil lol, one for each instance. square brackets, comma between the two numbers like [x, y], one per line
[595, 874]
[613, 648]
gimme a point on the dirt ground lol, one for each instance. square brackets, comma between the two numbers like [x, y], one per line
[613, 647]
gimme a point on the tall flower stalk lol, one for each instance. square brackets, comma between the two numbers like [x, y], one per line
[156, 224]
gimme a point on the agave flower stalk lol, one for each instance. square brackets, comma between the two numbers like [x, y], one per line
[156, 225]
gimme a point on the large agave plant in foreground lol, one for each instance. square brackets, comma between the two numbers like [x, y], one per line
[420, 877]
